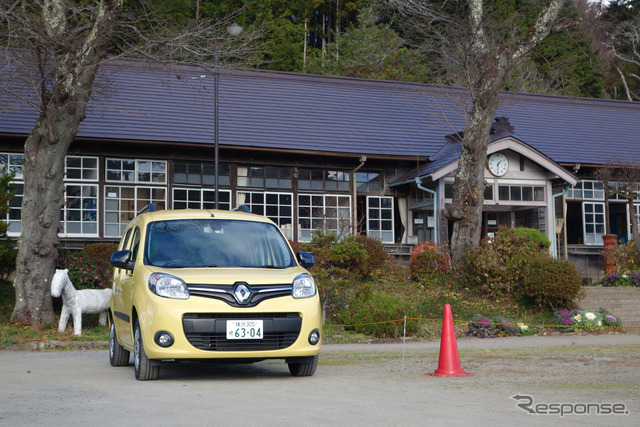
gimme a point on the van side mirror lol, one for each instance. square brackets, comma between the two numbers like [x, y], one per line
[305, 259]
[122, 259]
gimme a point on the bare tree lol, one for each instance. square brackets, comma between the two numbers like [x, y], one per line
[625, 45]
[622, 178]
[58, 45]
[485, 48]
[626, 184]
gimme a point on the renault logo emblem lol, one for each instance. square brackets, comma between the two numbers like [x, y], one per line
[242, 293]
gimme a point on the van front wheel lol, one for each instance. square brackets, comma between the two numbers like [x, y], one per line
[303, 367]
[118, 356]
[142, 366]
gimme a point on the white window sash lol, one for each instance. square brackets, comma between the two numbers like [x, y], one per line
[85, 218]
[381, 234]
[595, 237]
[342, 218]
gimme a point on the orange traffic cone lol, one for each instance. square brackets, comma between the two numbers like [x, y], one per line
[449, 363]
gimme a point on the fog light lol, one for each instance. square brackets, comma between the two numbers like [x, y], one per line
[163, 339]
[314, 337]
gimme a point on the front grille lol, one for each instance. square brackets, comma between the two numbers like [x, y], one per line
[258, 293]
[207, 331]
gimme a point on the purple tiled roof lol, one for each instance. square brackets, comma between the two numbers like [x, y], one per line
[287, 111]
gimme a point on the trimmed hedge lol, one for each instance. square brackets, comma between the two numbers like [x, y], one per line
[551, 283]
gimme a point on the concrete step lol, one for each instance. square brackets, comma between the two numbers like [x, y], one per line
[622, 302]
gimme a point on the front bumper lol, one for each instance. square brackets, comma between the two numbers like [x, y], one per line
[198, 326]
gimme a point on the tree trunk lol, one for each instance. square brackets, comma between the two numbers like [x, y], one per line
[468, 188]
[68, 58]
[43, 170]
[491, 62]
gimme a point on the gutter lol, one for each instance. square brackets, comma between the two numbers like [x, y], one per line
[435, 194]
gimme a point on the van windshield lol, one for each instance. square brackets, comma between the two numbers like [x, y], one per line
[216, 243]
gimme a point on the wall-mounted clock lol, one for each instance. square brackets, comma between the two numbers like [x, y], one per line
[498, 164]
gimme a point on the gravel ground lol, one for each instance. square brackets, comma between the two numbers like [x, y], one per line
[355, 384]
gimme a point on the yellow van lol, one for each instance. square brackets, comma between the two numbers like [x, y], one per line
[209, 284]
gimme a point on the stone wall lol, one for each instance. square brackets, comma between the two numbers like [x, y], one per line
[623, 302]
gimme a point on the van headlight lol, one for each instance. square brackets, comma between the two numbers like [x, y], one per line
[168, 286]
[303, 286]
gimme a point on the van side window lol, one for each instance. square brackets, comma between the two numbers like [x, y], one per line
[125, 242]
[135, 244]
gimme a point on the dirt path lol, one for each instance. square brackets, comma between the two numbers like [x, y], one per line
[355, 384]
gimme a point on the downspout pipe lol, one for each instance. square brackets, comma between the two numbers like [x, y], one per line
[435, 205]
[354, 216]
[553, 214]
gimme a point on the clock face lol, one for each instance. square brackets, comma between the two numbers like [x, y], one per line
[498, 164]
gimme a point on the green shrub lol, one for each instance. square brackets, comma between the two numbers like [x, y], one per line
[7, 300]
[8, 254]
[550, 283]
[533, 235]
[82, 271]
[498, 264]
[377, 260]
[428, 259]
[621, 280]
[100, 255]
[374, 313]
[348, 255]
[330, 252]
[627, 257]
[339, 265]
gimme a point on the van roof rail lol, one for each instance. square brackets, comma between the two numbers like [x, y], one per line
[243, 208]
[149, 208]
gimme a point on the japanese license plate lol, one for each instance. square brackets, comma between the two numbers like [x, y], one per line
[244, 329]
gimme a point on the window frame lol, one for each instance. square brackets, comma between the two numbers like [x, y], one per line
[201, 202]
[93, 212]
[283, 181]
[342, 180]
[136, 171]
[365, 186]
[127, 214]
[314, 218]
[13, 165]
[15, 205]
[577, 192]
[596, 237]
[224, 174]
[82, 169]
[380, 232]
[280, 218]
[636, 208]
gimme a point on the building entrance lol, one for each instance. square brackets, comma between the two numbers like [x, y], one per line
[495, 221]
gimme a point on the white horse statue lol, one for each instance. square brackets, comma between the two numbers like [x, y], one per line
[76, 302]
